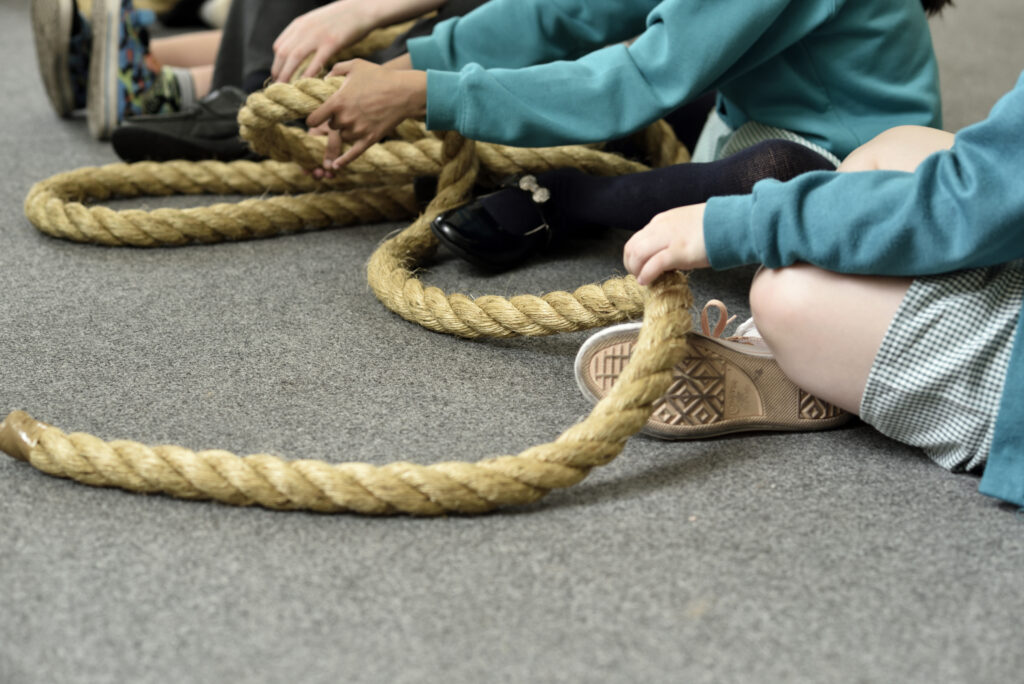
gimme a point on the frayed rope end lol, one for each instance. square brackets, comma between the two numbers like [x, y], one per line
[19, 432]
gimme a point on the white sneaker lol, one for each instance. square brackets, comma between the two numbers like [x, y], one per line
[722, 386]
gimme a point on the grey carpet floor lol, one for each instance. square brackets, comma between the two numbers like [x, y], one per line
[836, 557]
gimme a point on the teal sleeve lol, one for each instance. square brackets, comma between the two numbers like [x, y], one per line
[442, 106]
[685, 50]
[727, 235]
[519, 33]
[961, 208]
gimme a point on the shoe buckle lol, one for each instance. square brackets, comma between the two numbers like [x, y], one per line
[538, 193]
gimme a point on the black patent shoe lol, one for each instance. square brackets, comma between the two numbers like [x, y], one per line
[500, 230]
[207, 130]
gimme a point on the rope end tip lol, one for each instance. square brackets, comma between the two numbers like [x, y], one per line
[19, 432]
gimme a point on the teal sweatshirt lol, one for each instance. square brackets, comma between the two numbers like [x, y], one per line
[961, 208]
[549, 72]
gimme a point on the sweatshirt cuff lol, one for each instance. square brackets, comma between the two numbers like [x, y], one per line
[442, 100]
[727, 233]
[425, 53]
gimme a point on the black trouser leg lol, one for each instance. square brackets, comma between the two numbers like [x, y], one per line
[246, 50]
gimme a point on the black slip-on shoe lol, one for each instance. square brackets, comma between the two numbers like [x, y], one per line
[208, 130]
[497, 231]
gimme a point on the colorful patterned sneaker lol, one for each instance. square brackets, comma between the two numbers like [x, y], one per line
[722, 386]
[124, 79]
[63, 41]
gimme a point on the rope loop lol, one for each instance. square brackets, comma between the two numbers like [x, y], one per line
[374, 188]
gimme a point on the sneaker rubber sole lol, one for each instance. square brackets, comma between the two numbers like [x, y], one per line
[102, 104]
[51, 28]
[721, 387]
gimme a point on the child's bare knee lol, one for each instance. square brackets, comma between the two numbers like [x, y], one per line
[780, 298]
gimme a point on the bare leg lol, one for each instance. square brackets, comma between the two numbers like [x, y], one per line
[195, 49]
[901, 148]
[825, 328]
[202, 77]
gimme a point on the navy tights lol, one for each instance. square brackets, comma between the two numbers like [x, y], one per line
[581, 203]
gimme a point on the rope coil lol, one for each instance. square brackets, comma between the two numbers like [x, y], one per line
[374, 188]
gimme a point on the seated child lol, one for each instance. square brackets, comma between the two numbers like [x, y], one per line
[181, 93]
[893, 290]
[826, 74]
[106, 63]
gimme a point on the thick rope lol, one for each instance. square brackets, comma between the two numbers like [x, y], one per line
[400, 487]
[376, 187]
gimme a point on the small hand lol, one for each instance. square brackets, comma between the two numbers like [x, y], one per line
[368, 106]
[321, 32]
[674, 239]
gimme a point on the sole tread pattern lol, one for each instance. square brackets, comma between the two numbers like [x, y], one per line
[716, 389]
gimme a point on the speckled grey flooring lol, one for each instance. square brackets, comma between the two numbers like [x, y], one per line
[838, 557]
